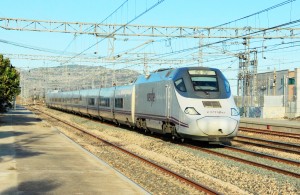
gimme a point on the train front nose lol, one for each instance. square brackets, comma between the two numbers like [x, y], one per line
[217, 126]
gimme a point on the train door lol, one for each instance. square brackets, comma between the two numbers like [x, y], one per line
[86, 103]
[98, 103]
[113, 104]
[168, 102]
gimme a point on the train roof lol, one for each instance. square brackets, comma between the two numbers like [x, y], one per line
[166, 74]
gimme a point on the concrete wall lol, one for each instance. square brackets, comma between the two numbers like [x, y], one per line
[273, 101]
[273, 112]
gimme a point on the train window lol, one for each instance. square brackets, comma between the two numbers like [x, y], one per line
[119, 102]
[205, 83]
[180, 85]
[104, 102]
[202, 72]
[91, 101]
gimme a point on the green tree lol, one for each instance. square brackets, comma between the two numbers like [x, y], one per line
[9, 83]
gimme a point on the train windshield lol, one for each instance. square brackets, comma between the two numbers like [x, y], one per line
[204, 80]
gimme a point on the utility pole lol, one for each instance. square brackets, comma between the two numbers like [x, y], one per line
[146, 71]
[274, 82]
[247, 77]
[111, 52]
[253, 77]
[200, 53]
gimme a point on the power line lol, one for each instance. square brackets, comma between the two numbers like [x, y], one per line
[242, 18]
[229, 39]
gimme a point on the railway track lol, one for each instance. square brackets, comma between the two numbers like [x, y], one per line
[270, 132]
[278, 170]
[165, 170]
[261, 155]
[281, 146]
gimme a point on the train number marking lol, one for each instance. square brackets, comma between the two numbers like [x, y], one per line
[151, 97]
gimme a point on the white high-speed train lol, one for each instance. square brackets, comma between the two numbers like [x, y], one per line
[190, 102]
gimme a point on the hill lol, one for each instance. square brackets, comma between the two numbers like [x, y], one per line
[36, 82]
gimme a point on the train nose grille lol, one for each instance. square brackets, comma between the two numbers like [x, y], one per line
[211, 104]
[219, 126]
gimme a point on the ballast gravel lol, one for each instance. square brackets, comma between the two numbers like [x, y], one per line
[223, 175]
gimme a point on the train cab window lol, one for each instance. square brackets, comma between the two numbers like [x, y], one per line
[119, 102]
[179, 84]
[205, 83]
[104, 102]
[91, 101]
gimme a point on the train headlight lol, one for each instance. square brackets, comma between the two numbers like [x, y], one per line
[191, 111]
[234, 112]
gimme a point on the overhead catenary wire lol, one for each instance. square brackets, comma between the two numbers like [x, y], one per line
[214, 43]
[265, 10]
[242, 18]
[89, 28]
[122, 26]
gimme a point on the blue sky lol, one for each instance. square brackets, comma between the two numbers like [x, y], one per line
[168, 13]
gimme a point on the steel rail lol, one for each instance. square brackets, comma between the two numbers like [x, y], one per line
[271, 132]
[262, 155]
[281, 171]
[284, 144]
[265, 146]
